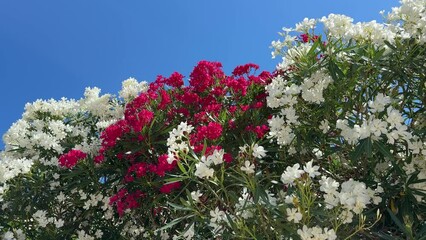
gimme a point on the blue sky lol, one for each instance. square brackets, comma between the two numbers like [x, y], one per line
[56, 48]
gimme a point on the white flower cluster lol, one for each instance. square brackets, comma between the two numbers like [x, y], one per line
[316, 233]
[177, 141]
[413, 15]
[94, 200]
[203, 167]
[392, 126]
[255, 151]
[217, 219]
[41, 218]
[82, 235]
[35, 134]
[418, 163]
[294, 172]
[134, 230]
[293, 55]
[283, 94]
[131, 88]
[63, 107]
[245, 206]
[101, 106]
[313, 87]
[354, 196]
[406, 21]
[9, 168]
[46, 129]
[46, 125]
[341, 27]
[17, 234]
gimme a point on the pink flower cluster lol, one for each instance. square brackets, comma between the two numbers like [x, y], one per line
[124, 200]
[70, 159]
[212, 103]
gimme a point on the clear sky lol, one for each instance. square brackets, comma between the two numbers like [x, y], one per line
[56, 48]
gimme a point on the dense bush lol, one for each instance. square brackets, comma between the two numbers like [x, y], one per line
[331, 145]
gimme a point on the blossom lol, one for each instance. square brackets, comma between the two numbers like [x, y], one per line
[195, 195]
[312, 171]
[175, 80]
[8, 235]
[214, 130]
[189, 234]
[204, 75]
[41, 217]
[290, 115]
[314, 86]
[177, 140]
[70, 159]
[248, 167]
[259, 151]
[291, 174]
[169, 187]
[203, 170]
[305, 25]
[337, 25]
[97, 105]
[316, 233]
[279, 130]
[131, 88]
[59, 223]
[324, 126]
[294, 215]
[9, 167]
[379, 103]
[217, 215]
[328, 184]
[216, 157]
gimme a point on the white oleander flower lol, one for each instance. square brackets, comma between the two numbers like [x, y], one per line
[312, 171]
[293, 215]
[195, 195]
[379, 103]
[131, 88]
[306, 25]
[325, 126]
[259, 151]
[291, 174]
[248, 167]
[203, 170]
[189, 234]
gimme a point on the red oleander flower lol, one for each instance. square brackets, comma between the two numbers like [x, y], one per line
[214, 131]
[204, 75]
[165, 100]
[244, 69]
[124, 200]
[169, 187]
[70, 159]
[113, 133]
[175, 80]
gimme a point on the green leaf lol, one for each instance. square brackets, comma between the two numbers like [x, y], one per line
[359, 150]
[174, 222]
[335, 71]
[178, 207]
[384, 150]
[313, 48]
[398, 222]
[181, 167]
[385, 236]
[390, 45]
